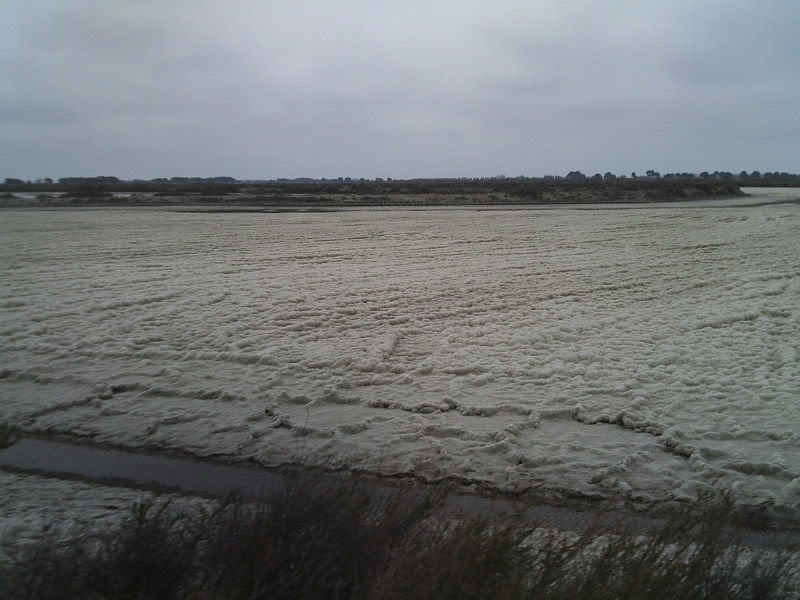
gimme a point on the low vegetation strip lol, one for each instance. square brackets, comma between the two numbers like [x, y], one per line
[338, 540]
[369, 194]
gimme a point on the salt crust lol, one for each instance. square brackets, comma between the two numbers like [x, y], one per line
[650, 353]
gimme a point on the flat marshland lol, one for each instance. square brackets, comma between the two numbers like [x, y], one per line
[641, 354]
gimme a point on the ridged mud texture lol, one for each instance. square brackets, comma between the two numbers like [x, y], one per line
[649, 354]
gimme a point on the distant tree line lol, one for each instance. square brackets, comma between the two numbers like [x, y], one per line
[521, 185]
[741, 177]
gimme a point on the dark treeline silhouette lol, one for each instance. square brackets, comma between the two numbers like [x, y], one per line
[442, 185]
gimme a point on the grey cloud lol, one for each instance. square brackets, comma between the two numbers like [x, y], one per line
[308, 87]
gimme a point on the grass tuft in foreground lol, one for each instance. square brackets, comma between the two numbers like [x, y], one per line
[324, 539]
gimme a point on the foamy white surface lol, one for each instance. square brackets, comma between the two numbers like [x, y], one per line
[30, 506]
[650, 352]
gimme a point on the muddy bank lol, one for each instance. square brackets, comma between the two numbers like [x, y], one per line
[266, 197]
[152, 472]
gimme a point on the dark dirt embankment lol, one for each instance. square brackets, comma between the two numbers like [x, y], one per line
[367, 195]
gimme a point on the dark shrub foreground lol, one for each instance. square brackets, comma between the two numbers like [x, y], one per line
[338, 540]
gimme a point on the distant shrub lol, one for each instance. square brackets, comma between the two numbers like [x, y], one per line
[526, 190]
[219, 189]
[88, 193]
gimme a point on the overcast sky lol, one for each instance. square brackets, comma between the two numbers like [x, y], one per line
[411, 88]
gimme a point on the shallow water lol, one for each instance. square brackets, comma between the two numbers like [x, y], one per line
[163, 473]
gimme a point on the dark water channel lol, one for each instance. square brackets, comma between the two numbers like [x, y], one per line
[165, 473]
